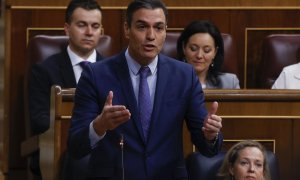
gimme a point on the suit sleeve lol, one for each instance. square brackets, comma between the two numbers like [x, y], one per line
[39, 88]
[195, 118]
[87, 107]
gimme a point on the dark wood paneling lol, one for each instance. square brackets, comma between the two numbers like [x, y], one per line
[178, 3]
[263, 115]
[273, 129]
[255, 38]
[296, 144]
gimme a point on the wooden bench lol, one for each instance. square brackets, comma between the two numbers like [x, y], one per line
[270, 116]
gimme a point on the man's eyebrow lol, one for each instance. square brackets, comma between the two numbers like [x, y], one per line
[86, 22]
[81, 21]
[144, 22]
[140, 22]
[160, 23]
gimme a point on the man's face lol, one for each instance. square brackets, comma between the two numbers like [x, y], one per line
[84, 31]
[146, 34]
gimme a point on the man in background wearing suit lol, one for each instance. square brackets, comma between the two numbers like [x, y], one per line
[133, 132]
[83, 21]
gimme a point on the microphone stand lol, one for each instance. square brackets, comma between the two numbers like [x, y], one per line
[122, 156]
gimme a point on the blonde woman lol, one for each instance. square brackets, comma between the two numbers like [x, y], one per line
[245, 160]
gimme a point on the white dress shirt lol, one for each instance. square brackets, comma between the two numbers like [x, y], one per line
[75, 60]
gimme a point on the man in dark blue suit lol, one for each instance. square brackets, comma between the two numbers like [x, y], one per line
[108, 120]
[83, 21]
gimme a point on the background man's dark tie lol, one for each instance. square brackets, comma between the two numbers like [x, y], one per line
[83, 64]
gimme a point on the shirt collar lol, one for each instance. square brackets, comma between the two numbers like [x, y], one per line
[134, 66]
[75, 59]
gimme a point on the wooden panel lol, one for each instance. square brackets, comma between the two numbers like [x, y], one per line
[254, 39]
[278, 130]
[241, 20]
[178, 3]
[269, 144]
[296, 144]
[262, 114]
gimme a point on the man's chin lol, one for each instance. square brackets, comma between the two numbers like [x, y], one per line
[150, 55]
[87, 49]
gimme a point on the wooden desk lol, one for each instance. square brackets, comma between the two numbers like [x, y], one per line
[269, 116]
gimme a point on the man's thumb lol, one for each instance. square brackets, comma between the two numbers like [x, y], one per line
[214, 107]
[109, 98]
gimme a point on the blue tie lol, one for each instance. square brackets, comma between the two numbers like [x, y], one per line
[84, 64]
[144, 101]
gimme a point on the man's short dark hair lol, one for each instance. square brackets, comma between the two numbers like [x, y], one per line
[85, 4]
[147, 4]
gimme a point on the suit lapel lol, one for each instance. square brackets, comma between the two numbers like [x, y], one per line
[67, 71]
[163, 73]
[99, 57]
[124, 77]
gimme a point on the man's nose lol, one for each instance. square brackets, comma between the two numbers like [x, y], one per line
[89, 30]
[150, 34]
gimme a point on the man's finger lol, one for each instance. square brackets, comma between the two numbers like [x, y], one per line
[109, 98]
[214, 108]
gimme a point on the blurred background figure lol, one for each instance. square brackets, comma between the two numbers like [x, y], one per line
[289, 78]
[83, 22]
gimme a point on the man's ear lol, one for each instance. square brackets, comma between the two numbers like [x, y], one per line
[126, 30]
[66, 28]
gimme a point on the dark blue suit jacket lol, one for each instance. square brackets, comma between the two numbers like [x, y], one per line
[55, 70]
[178, 96]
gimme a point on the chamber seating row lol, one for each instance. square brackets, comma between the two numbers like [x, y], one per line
[278, 51]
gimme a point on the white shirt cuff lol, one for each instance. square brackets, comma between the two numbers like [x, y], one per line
[94, 137]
